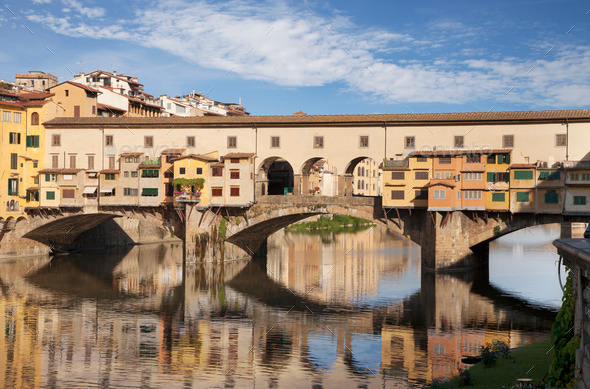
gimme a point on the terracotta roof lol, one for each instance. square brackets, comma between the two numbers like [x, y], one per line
[443, 183]
[218, 164]
[18, 104]
[173, 151]
[205, 158]
[372, 119]
[61, 171]
[109, 107]
[36, 95]
[109, 171]
[522, 165]
[239, 155]
[453, 152]
[149, 166]
[131, 154]
[89, 89]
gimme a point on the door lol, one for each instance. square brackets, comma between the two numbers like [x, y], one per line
[76, 111]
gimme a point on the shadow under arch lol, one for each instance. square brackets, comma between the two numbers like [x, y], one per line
[274, 176]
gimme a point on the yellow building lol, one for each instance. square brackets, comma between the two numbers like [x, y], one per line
[522, 187]
[75, 100]
[14, 166]
[404, 182]
[189, 168]
[497, 194]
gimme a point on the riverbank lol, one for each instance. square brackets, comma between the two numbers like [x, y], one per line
[327, 224]
[530, 361]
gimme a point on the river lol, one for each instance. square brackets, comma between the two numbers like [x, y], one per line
[348, 310]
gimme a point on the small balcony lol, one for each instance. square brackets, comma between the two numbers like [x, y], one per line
[187, 197]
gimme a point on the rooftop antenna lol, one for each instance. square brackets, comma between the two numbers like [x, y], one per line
[240, 100]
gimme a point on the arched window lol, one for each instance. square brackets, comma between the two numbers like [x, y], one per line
[34, 119]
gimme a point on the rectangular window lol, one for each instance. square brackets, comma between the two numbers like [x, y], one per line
[134, 174]
[574, 176]
[447, 175]
[498, 197]
[397, 175]
[150, 173]
[67, 93]
[473, 176]
[508, 141]
[148, 141]
[108, 140]
[437, 175]
[111, 162]
[421, 195]
[421, 175]
[491, 159]
[397, 194]
[459, 141]
[560, 140]
[128, 159]
[6, 116]
[409, 142]
[149, 192]
[109, 176]
[458, 195]
[504, 158]
[126, 174]
[190, 141]
[50, 195]
[444, 160]
[318, 142]
[522, 197]
[440, 194]
[14, 138]
[523, 174]
[17, 117]
[234, 191]
[579, 200]
[217, 171]
[130, 191]
[275, 142]
[13, 160]
[234, 174]
[364, 141]
[182, 170]
[472, 195]
[54, 161]
[72, 161]
[56, 140]
[421, 159]
[68, 177]
[232, 142]
[13, 187]
[234, 160]
[474, 158]
[68, 193]
[551, 197]
[33, 141]
[550, 175]
[585, 176]
[216, 192]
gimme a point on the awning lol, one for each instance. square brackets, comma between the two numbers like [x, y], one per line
[33, 189]
[107, 189]
[90, 190]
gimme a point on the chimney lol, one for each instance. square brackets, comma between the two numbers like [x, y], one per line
[114, 72]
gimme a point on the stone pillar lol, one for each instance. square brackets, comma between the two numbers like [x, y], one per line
[348, 185]
[297, 185]
[261, 185]
[305, 184]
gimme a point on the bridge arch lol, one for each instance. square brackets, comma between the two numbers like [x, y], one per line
[318, 172]
[363, 176]
[275, 175]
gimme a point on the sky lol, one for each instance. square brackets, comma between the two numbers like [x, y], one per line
[320, 57]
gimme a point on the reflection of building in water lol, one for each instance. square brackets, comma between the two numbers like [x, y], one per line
[401, 352]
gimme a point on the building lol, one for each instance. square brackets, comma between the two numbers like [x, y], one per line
[239, 179]
[549, 194]
[366, 179]
[404, 182]
[36, 80]
[497, 176]
[61, 188]
[75, 99]
[577, 188]
[522, 187]
[195, 104]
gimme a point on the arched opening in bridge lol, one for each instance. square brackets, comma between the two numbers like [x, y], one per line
[363, 177]
[275, 177]
[318, 177]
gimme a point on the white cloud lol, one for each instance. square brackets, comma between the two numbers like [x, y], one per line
[41, 1]
[263, 41]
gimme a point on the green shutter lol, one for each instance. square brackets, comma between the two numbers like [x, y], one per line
[508, 159]
[18, 138]
[36, 142]
[579, 200]
[47, 177]
[522, 197]
[551, 198]
[10, 187]
[50, 195]
[523, 174]
[29, 140]
[491, 177]
[498, 197]
[28, 196]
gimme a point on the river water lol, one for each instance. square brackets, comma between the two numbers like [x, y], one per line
[348, 310]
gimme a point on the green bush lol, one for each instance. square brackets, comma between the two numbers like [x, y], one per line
[501, 349]
[465, 378]
[222, 228]
[198, 183]
[488, 356]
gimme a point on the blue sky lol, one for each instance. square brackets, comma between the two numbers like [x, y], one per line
[339, 57]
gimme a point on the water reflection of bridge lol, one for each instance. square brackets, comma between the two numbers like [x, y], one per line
[229, 324]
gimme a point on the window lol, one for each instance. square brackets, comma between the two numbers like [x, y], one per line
[50, 195]
[199, 170]
[550, 175]
[182, 170]
[574, 176]
[421, 195]
[126, 174]
[551, 197]
[318, 142]
[234, 191]
[68, 193]
[35, 165]
[111, 163]
[444, 160]
[234, 160]
[232, 142]
[409, 142]
[438, 175]
[17, 117]
[504, 158]
[523, 175]
[508, 141]
[153, 173]
[498, 197]
[234, 174]
[421, 159]
[217, 171]
[459, 141]
[91, 162]
[459, 195]
[14, 161]
[67, 93]
[32, 140]
[13, 187]
[148, 141]
[216, 192]
[421, 175]
[54, 161]
[397, 194]
[560, 140]
[473, 158]
[472, 195]
[447, 175]
[579, 200]
[473, 176]
[190, 141]
[522, 197]
[497, 177]
[72, 161]
[130, 191]
[14, 138]
[585, 176]
[149, 192]
[397, 175]
[56, 140]
[134, 174]
[275, 141]
[109, 176]
[34, 119]
[440, 194]
[6, 116]
[136, 160]
[108, 140]
[491, 159]
[364, 141]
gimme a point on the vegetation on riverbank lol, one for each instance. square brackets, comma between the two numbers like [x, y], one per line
[334, 224]
[530, 361]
